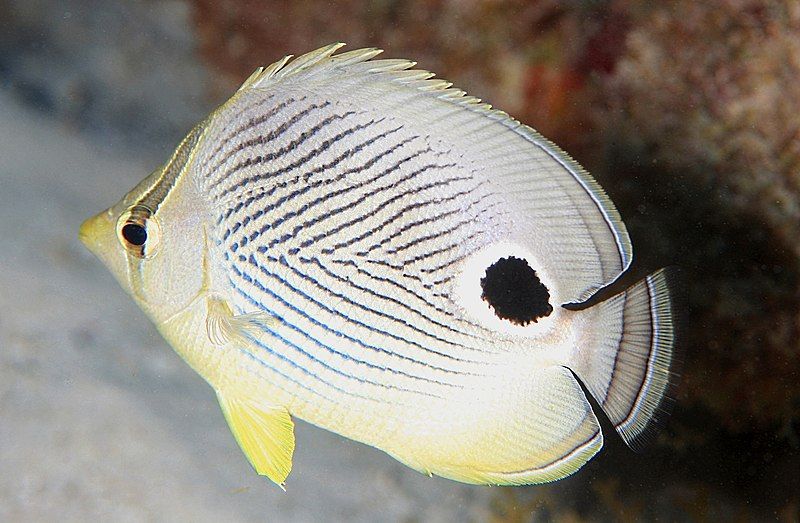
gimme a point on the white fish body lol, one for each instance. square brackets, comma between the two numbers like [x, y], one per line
[353, 243]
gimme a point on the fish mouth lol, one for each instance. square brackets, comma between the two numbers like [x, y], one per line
[94, 231]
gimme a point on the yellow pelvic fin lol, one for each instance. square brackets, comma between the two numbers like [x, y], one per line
[265, 434]
[223, 326]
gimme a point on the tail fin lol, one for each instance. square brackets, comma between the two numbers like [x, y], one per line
[626, 360]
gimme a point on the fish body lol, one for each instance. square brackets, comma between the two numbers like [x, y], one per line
[354, 243]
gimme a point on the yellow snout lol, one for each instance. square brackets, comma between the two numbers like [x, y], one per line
[98, 235]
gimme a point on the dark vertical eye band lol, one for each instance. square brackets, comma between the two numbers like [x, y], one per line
[138, 231]
[134, 234]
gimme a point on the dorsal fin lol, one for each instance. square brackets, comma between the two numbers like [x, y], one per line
[361, 61]
[323, 66]
[283, 68]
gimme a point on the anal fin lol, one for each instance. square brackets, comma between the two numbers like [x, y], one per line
[264, 432]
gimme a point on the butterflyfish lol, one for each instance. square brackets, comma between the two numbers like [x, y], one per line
[355, 243]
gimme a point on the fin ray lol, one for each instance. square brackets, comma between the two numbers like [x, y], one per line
[223, 326]
[590, 245]
[264, 433]
[631, 367]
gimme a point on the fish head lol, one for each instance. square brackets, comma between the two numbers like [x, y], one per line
[154, 246]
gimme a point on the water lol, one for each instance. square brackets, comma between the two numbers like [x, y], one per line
[99, 419]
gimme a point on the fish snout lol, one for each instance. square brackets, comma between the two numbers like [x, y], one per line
[96, 231]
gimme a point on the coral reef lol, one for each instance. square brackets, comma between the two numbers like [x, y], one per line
[705, 99]
[717, 83]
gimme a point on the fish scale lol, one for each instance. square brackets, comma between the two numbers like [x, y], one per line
[355, 243]
[274, 244]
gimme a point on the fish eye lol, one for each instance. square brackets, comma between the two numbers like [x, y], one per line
[134, 233]
[138, 231]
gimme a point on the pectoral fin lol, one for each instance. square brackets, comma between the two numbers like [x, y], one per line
[265, 434]
[223, 326]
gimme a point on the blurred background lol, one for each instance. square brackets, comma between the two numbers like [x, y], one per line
[688, 113]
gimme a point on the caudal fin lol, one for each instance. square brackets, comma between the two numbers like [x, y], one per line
[627, 359]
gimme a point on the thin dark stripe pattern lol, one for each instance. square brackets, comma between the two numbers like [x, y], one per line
[348, 228]
[293, 351]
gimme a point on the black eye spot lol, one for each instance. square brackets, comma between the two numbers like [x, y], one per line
[134, 234]
[514, 291]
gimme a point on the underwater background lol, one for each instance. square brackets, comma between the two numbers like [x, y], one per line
[688, 113]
